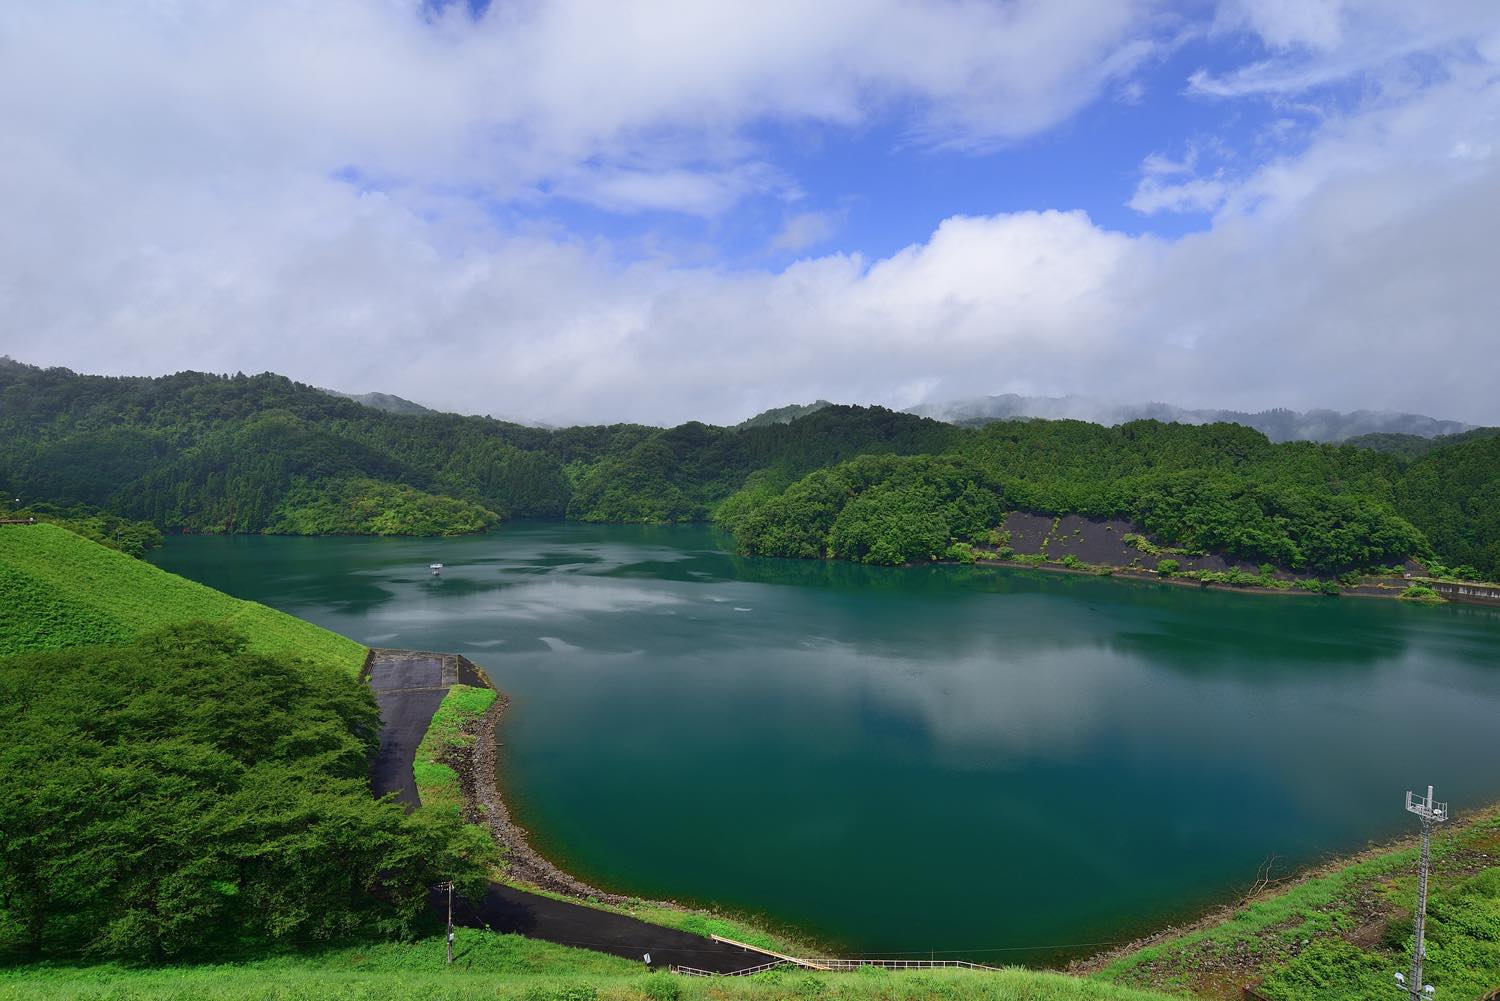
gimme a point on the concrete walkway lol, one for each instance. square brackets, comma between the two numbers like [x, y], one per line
[409, 685]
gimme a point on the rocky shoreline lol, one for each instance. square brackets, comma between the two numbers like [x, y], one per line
[484, 805]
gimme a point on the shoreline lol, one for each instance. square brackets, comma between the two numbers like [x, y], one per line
[1375, 591]
[1147, 577]
[485, 805]
[527, 868]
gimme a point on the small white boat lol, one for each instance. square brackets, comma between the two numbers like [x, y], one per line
[436, 568]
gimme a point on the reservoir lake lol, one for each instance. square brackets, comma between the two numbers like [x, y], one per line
[1001, 765]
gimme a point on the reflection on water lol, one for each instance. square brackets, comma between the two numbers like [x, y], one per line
[893, 759]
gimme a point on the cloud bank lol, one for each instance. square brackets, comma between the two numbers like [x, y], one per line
[331, 191]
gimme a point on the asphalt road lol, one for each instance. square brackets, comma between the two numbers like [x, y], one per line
[408, 689]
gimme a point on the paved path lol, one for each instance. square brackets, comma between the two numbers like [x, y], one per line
[408, 688]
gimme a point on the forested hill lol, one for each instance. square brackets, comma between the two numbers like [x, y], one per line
[209, 453]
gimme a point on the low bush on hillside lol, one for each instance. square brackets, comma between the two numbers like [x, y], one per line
[368, 507]
[183, 794]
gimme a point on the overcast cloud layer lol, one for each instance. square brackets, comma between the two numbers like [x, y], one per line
[387, 196]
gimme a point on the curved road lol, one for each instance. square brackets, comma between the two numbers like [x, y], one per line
[408, 687]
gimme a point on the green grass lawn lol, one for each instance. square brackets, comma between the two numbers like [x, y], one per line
[510, 967]
[61, 590]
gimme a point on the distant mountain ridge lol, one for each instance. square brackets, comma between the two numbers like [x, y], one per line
[384, 401]
[1279, 424]
[783, 415]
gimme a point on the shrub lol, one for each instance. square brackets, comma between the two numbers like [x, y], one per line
[1167, 567]
[661, 987]
[962, 552]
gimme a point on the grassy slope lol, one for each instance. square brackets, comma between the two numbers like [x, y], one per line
[62, 590]
[508, 966]
[1341, 933]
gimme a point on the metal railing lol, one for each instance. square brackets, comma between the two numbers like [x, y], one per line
[843, 966]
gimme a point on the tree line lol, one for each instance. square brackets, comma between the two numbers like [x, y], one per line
[208, 453]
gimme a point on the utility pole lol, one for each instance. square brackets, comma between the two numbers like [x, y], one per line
[1430, 814]
[449, 887]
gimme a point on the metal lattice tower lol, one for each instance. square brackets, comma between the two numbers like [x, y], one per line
[1430, 814]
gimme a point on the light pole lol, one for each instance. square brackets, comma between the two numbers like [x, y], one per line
[1430, 814]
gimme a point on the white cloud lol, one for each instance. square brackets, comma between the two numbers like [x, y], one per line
[1173, 186]
[1196, 195]
[1318, 42]
[168, 185]
[585, 98]
[805, 229]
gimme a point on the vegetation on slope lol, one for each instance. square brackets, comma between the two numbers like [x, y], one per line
[1220, 488]
[134, 538]
[61, 590]
[1341, 934]
[181, 793]
[359, 506]
[198, 452]
[1453, 495]
[1412, 446]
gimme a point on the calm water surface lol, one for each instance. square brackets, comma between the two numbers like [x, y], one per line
[988, 762]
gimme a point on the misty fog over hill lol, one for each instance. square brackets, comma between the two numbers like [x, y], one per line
[1278, 424]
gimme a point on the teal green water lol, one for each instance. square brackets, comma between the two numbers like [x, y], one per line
[1007, 765]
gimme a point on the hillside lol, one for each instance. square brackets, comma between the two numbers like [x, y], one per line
[1411, 446]
[383, 401]
[205, 453]
[783, 415]
[61, 590]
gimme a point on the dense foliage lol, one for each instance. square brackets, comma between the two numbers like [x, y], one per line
[60, 590]
[205, 453]
[1221, 488]
[260, 453]
[369, 507]
[181, 793]
[1453, 495]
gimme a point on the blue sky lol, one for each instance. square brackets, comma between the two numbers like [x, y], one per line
[579, 211]
[883, 189]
